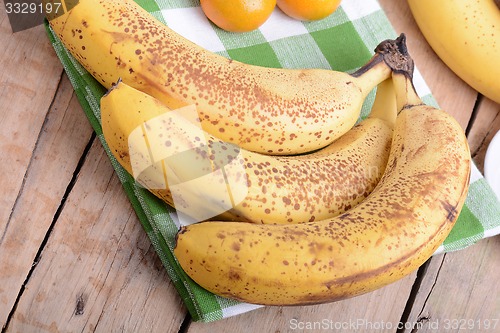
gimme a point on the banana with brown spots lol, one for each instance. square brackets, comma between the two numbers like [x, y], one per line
[384, 238]
[203, 176]
[268, 110]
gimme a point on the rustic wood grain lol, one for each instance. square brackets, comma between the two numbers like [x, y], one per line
[361, 314]
[63, 138]
[98, 271]
[461, 288]
[451, 93]
[29, 77]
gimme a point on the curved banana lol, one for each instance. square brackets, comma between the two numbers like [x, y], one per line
[203, 176]
[466, 36]
[387, 236]
[268, 110]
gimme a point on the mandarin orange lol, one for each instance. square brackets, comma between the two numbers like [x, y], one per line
[308, 10]
[238, 15]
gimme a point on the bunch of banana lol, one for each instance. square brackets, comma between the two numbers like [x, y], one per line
[267, 110]
[466, 36]
[202, 176]
[385, 237]
[338, 209]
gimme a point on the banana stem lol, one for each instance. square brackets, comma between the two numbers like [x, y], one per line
[385, 106]
[372, 74]
[406, 95]
[390, 55]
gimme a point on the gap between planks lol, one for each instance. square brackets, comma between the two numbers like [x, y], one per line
[421, 318]
[30, 162]
[60, 207]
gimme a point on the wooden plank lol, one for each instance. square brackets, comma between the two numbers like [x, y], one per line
[29, 75]
[461, 291]
[98, 271]
[63, 138]
[486, 125]
[27, 62]
[451, 93]
[378, 311]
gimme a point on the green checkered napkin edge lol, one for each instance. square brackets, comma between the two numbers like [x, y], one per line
[344, 41]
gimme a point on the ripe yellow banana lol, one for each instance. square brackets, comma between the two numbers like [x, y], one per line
[268, 110]
[465, 34]
[203, 176]
[387, 236]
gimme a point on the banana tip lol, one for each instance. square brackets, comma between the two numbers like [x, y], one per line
[113, 86]
[182, 230]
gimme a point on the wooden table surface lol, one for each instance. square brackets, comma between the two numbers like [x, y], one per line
[74, 257]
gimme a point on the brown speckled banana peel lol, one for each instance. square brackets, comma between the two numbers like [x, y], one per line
[384, 238]
[268, 110]
[279, 189]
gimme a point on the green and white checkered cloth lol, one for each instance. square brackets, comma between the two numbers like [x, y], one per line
[344, 41]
